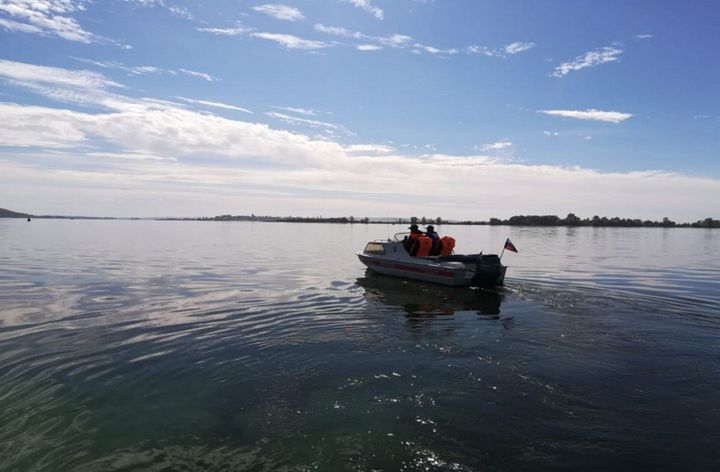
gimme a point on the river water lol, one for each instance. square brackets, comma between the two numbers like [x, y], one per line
[208, 346]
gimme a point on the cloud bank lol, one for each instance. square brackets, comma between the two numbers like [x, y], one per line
[125, 152]
[45, 17]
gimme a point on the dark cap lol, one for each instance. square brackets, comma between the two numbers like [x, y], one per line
[413, 227]
[431, 228]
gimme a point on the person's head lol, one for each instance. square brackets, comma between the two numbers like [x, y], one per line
[413, 228]
[431, 229]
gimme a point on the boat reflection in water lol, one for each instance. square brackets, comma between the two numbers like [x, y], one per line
[421, 299]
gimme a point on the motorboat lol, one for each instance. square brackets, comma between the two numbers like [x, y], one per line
[390, 257]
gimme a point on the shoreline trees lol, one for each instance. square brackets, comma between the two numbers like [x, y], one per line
[597, 221]
[571, 220]
[518, 220]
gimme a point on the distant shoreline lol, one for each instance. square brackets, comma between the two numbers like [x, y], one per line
[570, 221]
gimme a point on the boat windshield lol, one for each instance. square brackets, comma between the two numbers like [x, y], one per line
[374, 248]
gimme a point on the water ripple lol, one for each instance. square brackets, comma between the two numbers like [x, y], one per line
[155, 346]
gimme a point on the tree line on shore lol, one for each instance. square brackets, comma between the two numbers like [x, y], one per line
[286, 219]
[600, 221]
[519, 220]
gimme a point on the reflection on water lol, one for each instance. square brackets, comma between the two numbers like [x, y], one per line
[173, 346]
[424, 299]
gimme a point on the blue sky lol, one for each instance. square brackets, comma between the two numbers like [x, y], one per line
[459, 109]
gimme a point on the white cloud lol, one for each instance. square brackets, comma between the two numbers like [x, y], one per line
[458, 162]
[435, 51]
[497, 146]
[481, 50]
[45, 17]
[393, 41]
[396, 40]
[134, 70]
[301, 111]
[74, 86]
[140, 70]
[201, 75]
[180, 12]
[15, 26]
[127, 155]
[304, 121]
[589, 59]
[590, 114]
[510, 49]
[208, 103]
[292, 42]
[69, 86]
[147, 3]
[369, 149]
[23, 73]
[518, 47]
[226, 31]
[643, 36]
[175, 10]
[375, 43]
[27, 126]
[551, 133]
[144, 70]
[368, 7]
[280, 11]
[297, 173]
[337, 31]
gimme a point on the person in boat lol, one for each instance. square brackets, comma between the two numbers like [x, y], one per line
[422, 244]
[430, 233]
[409, 241]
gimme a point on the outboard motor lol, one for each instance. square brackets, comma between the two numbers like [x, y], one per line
[487, 271]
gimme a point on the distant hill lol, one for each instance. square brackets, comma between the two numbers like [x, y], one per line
[11, 214]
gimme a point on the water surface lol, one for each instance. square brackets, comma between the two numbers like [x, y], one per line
[142, 345]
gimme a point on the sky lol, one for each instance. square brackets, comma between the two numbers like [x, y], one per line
[460, 109]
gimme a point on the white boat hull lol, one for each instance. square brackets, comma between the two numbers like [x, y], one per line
[395, 261]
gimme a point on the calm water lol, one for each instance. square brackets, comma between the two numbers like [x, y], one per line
[164, 346]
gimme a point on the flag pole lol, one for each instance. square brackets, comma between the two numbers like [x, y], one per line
[503, 251]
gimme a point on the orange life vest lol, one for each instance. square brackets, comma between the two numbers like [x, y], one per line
[410, 240]
[423, 244]
[447, 245]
